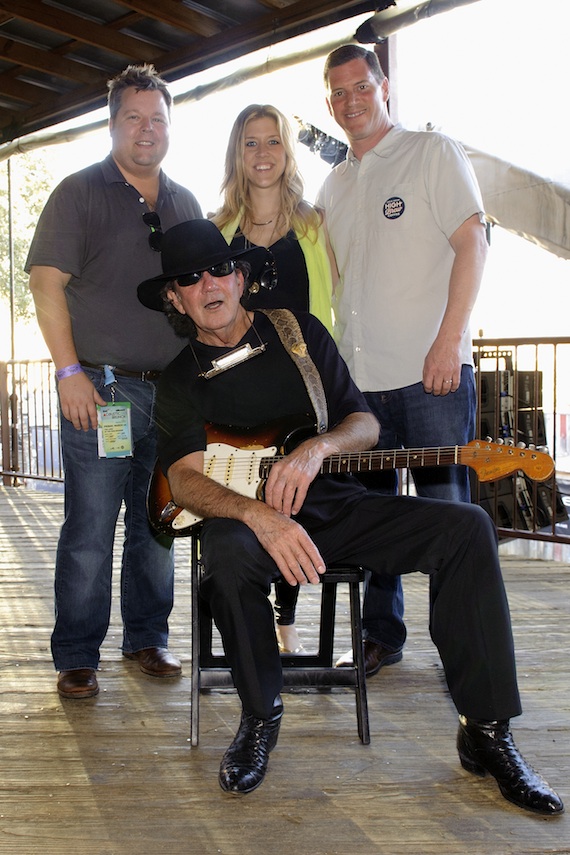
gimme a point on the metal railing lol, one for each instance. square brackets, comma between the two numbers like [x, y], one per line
[29, 423]
[523, 393]
[523, 396]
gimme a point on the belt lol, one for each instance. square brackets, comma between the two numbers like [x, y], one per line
[122, 372]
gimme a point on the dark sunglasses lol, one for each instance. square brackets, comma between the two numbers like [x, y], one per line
[218, 270]
[268, 277]
[152, 220]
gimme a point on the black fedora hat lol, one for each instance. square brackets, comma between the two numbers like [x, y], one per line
[191, 247]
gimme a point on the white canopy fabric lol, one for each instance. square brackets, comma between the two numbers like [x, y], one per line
[526, 204]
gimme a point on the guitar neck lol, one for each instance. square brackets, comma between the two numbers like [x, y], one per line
[377, 461]
[380, 460]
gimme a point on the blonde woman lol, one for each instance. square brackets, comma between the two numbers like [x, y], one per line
[263, 205]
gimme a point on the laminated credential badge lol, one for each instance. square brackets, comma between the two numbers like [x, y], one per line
[114, 435]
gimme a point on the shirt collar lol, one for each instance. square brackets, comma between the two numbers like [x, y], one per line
[112, 174]
[382, 148]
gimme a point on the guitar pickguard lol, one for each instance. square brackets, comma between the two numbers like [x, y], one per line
[236, 468]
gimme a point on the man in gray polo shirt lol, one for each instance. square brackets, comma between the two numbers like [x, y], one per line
[98, 236]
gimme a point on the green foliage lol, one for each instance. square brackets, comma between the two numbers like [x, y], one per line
[31, 184]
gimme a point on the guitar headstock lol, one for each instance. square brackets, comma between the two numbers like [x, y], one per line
[494, 460]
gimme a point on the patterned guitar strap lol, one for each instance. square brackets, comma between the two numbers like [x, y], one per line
[289, 332]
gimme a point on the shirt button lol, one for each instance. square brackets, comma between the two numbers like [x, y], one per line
[357, 349]
[141, 199]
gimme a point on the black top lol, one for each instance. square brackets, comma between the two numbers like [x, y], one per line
[266, 388]
[292, 289]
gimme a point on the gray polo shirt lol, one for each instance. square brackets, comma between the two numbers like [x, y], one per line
[92, 227]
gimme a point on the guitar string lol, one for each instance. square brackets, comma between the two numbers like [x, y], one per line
[427, 456]
[384, 458]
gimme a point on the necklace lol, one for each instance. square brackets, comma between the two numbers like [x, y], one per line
[266, 223]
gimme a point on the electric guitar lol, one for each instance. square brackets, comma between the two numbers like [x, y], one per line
[241, 459]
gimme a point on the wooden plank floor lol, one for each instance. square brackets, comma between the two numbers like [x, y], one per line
[115, 775]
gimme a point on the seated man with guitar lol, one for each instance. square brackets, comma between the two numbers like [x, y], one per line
[248, 369]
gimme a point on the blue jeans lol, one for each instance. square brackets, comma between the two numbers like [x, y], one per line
[411, 418]
[94, 491]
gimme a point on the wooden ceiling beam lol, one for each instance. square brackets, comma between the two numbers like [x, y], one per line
[176, 15]
[57, 109]
[46, 61]
[276, 4]
[17, 89]
[82, 30]
[269, 28]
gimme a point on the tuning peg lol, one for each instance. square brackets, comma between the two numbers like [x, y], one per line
[532, 446]
[500, 441]
[488, 439]
[509, 441]
[521, 445]
[543, 448]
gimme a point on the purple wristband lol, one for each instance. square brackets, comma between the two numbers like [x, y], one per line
[68, 371]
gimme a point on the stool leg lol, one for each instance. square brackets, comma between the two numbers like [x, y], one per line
[195, 687]
[326, 628]
[358, 657]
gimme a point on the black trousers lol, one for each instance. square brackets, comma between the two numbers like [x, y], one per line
[455, 544]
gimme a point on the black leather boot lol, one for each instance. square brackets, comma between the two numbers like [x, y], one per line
[488, 746]
[244, 764]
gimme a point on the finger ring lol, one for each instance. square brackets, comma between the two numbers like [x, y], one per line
[448, 381]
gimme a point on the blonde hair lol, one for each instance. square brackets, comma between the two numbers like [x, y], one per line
[297, 214]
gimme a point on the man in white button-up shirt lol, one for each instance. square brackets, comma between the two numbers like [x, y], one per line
[405, 219]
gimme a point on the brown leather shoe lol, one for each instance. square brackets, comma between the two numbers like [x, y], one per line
[156, 661]
[375, 657]
[78, 683]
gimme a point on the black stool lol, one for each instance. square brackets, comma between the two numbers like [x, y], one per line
[211, 671]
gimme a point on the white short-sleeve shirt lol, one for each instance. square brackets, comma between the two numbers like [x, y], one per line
[390, 217]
